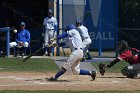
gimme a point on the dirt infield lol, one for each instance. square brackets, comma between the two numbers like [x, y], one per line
[36, 81]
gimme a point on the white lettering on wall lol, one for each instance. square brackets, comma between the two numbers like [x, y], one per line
[101, 36]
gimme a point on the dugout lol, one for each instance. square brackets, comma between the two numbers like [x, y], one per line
[30, 11]
[108, 21]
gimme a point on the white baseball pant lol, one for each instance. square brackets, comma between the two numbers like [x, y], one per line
[73, 61]
[49, 34]
[86, 44]
[13, 44]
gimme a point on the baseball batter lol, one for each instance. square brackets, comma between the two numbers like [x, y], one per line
[73, 60]
[50, 24]
[130, 55]
[85, 38]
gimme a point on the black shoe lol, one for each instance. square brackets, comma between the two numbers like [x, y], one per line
[45, 54]
[83, 59]
[93, 75]
[51, 79]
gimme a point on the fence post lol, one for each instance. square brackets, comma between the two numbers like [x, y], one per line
[116, 23]
[57, 13]
[7, 30]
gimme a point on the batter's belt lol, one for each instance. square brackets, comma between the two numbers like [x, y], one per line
[78, 48]
[86, 37]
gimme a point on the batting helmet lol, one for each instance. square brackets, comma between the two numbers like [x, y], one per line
[122, 45]
[70, 27]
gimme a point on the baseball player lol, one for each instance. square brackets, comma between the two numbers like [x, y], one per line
[130, 55]
[50, 24]
[85, 38]
[73, 60]
[22, 38]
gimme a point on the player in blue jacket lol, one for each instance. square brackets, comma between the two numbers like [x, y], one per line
[22, 37]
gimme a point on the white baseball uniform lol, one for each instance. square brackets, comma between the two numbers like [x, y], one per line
[85, 37]
[75, 42]
[50, 32]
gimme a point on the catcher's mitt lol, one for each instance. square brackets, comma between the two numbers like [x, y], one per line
[102, 68]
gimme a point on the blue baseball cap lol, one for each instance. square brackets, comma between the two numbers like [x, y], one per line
[22, 23]
[50, 11]
[78, 21]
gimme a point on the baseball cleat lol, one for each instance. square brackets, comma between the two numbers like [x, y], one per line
[51, 79]
[93, 75]
[45, 54]
[51, 55]
[83, 59]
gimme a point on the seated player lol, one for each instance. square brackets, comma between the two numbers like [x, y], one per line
[22, 38]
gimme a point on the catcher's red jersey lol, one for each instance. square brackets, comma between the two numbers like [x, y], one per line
[131, 56]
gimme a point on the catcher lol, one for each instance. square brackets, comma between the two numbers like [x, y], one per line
[130, 55]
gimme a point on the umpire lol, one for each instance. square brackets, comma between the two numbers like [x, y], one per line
[130, 55]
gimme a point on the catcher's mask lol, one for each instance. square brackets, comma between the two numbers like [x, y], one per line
[122, 45]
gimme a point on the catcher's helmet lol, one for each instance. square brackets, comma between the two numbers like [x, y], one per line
[70, 27]
[122, 45]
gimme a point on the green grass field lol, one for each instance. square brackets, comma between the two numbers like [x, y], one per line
[48, 65]
[32, 65]
[44, 65]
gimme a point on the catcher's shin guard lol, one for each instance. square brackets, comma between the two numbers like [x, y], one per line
[130, 73]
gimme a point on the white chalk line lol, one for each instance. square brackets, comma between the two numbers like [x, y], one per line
[23, 83]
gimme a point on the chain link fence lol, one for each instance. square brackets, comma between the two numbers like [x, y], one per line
[107, 21]
[93, 15]
[129, 22]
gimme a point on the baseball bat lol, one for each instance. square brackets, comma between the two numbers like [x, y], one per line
[29, 56]
[40, 49]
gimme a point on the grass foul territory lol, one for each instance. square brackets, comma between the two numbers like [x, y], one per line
[32, 65]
